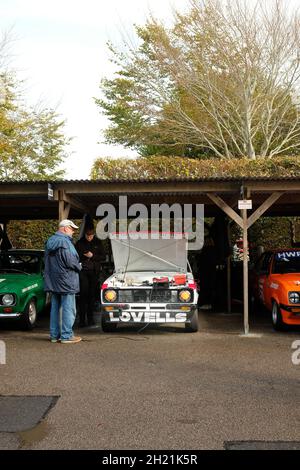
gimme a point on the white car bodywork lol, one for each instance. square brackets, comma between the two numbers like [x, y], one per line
[151, 277]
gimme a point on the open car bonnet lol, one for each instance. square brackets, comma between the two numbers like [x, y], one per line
[149, 254]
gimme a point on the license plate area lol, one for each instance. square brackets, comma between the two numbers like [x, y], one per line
[153, 316]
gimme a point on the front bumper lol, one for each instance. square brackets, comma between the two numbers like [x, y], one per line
[155, 315]
[290, 314]
[8, 316]
[295, 309]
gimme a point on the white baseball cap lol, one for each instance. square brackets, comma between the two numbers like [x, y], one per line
[67, 223]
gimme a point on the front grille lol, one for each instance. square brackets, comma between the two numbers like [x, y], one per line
[144, 295]
[147, 296]
[159, 295]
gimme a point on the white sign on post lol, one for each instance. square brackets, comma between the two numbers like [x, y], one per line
[245, 204]
[50, 192]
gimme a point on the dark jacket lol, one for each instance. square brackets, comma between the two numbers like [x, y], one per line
[94, 246]
[61, 265]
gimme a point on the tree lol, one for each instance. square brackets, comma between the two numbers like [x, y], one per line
[222, 81]
[32, 142]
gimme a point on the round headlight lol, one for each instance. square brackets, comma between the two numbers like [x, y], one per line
[110, 295]
[185, 295]
[8, 299]
[294, 297]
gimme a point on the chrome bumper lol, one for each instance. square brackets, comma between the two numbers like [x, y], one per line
[10, 315]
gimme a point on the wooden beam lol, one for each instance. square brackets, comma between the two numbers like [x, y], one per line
[74, 202]
[21, 189]
[226, 208]
[264, 207]
[290, 185]
[69, 201]
[233, 201]
[151, 187]
[63, 210]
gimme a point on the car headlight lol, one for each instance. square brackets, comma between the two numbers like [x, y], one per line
[294, 297]
[110, 295]
[185, 295]
[8, 299]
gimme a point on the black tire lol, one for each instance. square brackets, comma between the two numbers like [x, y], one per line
[108, 327]
[277, 322]
[29, 317]
[193, 325]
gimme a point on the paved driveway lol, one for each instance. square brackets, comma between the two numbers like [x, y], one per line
[158, 389]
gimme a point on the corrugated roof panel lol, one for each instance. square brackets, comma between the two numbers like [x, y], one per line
[157, 180]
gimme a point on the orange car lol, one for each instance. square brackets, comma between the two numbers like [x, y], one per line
[276, 283]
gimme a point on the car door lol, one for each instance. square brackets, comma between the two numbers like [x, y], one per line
[261, 272]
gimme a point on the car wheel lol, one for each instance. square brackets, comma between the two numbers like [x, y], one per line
[108, 327]
[277, 322]
[193, 325]
[29, 316]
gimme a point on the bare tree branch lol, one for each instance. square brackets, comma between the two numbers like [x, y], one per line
[225, 77]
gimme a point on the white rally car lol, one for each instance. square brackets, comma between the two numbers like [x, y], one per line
[152, 283]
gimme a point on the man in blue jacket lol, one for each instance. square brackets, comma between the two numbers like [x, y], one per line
[61, 278]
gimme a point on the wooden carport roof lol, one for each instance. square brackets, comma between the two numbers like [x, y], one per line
[26, 200]
[71, 199]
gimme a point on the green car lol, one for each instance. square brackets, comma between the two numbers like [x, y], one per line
[22, 294]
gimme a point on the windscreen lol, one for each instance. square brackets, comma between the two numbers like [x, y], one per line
[287, 262]
[19, 263]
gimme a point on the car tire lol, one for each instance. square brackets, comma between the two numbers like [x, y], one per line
[29, 317]
[277, 322]
[107, 327]
[193, 325]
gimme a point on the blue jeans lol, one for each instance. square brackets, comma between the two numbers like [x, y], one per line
[66, 303]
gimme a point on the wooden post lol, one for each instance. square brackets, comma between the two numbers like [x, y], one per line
[245, 271]
[63, 207]
[228, 284]
[229, 274]
[245, 224]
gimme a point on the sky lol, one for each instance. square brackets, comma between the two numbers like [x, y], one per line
[60, 51]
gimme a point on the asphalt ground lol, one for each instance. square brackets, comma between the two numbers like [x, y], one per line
[161, 388]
